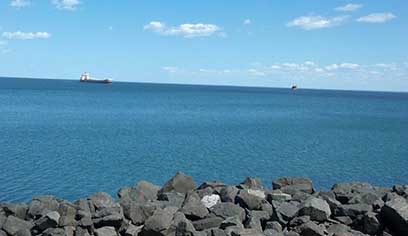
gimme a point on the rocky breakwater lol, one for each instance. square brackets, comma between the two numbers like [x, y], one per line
[291, 208]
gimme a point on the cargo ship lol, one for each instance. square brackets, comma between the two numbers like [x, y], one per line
[85, 77]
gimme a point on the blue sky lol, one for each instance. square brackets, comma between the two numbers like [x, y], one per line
[343, 44]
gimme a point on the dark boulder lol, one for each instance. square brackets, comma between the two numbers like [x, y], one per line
[249, 201]
[173, 199]
[208, 223]
[318, 209]
[138, 213]
[228, 194]
[285, 211]
[41, 205]
[227, 209]
[17, 210]
[216, 186]
[346, 191]
[160, 221]
[395, 215]
[311, 229]
[14, 224]
[233, 221]
[371, 224]
[54, 232]
[192, 207]
[50, 220]
[215, 232]
[353, 210]
[182, 226]
[179, 183]
[293, 184]
[133, 230]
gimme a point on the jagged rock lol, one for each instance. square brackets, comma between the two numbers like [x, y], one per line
[272, 232]
[2, 233]
[67, 212]
[133, 230]
[273, 225]
[291, 233]
[353, 210]
[81, 232]
[23, 232]
[102, 200]
[401, 190]
[299, 220]
[194, 209]
[54, 232]
[252, 183]
[371, 224]
[395, 215]
[181, 226]
[160, 221]
[69, 230]
[228, 194]
[227, 209]
[343, 230]
[143, 191]
[179, 183]
[138, 213]
[292, 184]
[318, 209]
[248, 201]
[50, 220]
[233, 221]
[311, 229]
[106, 231]
[215, 232]
[267, 207]
[255, 219]
[346, 220]
[346, 191]
[41, 205]
[246, 232]
[173, 199]
[368, 198]
[208, 223]
[3, 218]
[215, 185]
[210, 200]
[17, 210]
[14, 224]
[285, 211]
[277, 195]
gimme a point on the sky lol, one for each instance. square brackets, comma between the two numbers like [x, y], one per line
[323, 44]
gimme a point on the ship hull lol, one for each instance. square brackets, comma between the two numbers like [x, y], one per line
[97, 81]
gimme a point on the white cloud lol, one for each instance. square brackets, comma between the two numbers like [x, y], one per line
[26, 35]
[349, 7]
[317, 22]
[310, 63]
[247, 22]
[66, 4]
[170, 69]
[349, 66]
[377, 17]
[255, 72]
[20, 3]
[187, 30]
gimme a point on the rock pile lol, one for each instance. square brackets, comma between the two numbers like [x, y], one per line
[291, 208]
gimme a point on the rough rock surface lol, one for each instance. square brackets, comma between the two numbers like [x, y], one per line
[290, 208]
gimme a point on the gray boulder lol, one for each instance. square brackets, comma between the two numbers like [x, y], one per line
[346, 191]
[395, 215]
[54, 232]
[41, 205]
[23, 232]
[160, 221]
[67, 212]
[138, 213]
[208, 223]
[278, 195]
[293, 184]
[246, 232]
[106, 231]
[249, 201]
[142, 192]
[227, 209]
[318, 209]
[252, 183]
[133, 230]
[255, 219]
[2, 233]
[174, 199]
[192, 207]
[285, 211]
[371, 224]
[14, 224]
[50, 220]
[17, 210]
[179, 183]
[228, 194]
[215, 232]
[353, 210]
[311, 229]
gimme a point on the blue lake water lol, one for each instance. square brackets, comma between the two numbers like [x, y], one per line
[72, 139]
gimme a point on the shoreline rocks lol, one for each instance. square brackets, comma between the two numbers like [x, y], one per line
[291, 207]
